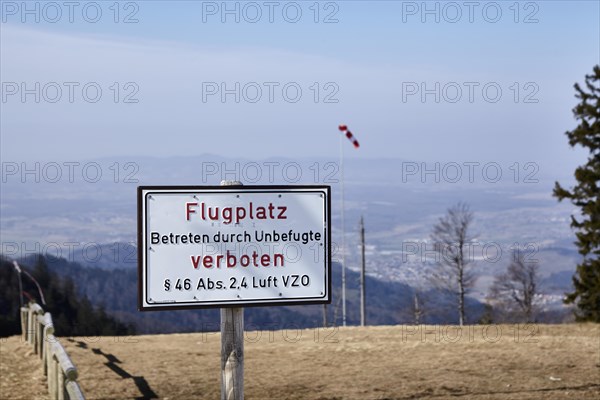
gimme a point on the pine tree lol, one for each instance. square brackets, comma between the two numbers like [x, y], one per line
[586, 195]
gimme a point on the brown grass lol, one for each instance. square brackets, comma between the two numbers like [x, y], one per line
[391, 362]
[21, 375]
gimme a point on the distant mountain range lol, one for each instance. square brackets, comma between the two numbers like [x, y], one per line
[92, 221]
[115, 288]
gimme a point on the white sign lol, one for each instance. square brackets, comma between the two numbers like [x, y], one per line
[233, 246]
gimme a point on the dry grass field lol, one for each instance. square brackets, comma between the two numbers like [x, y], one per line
[387, 362]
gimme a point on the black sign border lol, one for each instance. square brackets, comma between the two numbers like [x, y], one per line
[241, 303]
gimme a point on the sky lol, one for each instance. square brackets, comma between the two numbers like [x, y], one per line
[429, 81]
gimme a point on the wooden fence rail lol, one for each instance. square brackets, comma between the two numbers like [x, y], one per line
[38, 330]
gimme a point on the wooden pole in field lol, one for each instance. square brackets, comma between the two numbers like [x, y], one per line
[232, 346]
[343, 247]
[363, 304]
[350, 136]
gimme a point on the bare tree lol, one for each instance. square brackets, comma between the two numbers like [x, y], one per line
[517, 287]
[451, 238]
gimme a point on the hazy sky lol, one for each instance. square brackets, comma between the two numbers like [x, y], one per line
[460, 81]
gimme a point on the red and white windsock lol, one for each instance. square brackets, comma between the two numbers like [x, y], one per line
[349, 135]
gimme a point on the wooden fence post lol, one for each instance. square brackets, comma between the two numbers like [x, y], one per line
[29, 325]
[52, 377]
[24, 323]
[40, 335]
[60, 383]
[48, 340]
[48, 367]
[34, 310]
